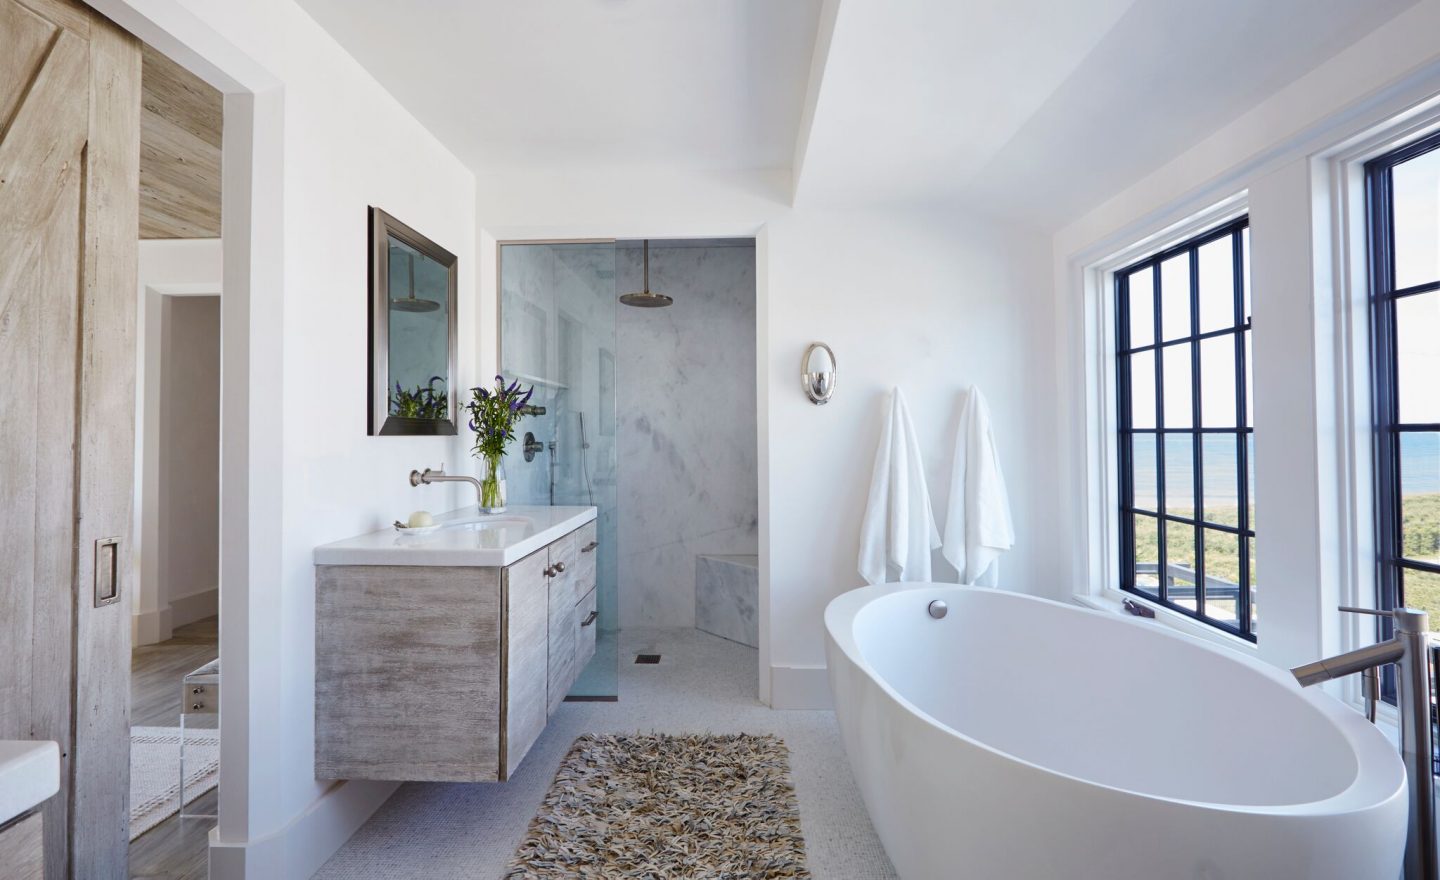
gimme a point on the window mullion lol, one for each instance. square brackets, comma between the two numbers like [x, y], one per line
[1127, 439]
[1161, 526]
[1242, 445]
[1197, 456]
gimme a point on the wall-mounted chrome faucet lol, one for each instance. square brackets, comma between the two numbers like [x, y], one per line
[1409, 651]
[428, 476]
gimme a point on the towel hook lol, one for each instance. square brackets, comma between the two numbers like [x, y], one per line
[819, 384]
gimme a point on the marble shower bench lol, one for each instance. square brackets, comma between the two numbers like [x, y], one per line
[727, 597]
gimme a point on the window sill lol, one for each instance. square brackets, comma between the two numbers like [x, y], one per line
[1112, 601]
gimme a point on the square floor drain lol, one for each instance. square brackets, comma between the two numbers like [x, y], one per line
[647, 658]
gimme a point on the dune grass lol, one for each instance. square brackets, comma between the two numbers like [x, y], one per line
[1420, 528]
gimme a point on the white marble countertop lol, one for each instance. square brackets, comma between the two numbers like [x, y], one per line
[464, 538]
[29, 775]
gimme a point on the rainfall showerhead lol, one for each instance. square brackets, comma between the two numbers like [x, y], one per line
[412, 303]
[645, 299]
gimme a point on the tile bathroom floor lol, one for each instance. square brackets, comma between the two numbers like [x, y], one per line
[702, 684]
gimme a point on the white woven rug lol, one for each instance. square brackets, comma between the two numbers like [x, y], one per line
[155, 772]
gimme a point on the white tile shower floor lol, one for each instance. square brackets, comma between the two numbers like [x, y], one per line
[703, 684]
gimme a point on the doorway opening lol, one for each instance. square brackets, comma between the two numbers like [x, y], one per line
[175, 656]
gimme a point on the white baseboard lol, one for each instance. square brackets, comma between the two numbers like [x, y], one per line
[194, 606]
[150, 627]
[800, 687]
[302, 847]
[157, 625]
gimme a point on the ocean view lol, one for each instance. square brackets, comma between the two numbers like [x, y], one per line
[1419, 468]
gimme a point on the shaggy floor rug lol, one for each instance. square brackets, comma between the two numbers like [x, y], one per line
[654, 807]
[155, 772]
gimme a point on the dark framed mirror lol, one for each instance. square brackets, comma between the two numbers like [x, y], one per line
[412, 331]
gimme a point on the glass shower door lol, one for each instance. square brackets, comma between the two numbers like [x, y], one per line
[557, 332]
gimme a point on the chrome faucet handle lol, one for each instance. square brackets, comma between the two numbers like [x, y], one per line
[1371, 611]
[1412, 620]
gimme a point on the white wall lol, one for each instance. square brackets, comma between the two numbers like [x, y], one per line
[1311, 471]
[928, 299]
[324, 141]
[170, 270]
[931, 301]
[189, 559]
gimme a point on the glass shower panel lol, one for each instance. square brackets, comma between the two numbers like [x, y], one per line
[557, 332]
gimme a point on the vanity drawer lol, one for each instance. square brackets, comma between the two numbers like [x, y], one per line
[565, 583]
[587, 548]
[587, 621]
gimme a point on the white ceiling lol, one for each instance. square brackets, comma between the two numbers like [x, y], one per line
[1041, 109]
[1036, 109]
[693, 84]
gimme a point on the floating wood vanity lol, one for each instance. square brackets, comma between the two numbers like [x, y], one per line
[441, 657]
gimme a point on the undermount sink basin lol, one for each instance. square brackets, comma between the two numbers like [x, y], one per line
[29, 775]
[499, 522]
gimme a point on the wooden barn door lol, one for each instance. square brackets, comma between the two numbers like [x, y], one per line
[69, 177]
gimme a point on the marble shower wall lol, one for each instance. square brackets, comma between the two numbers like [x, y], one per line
[685, 424]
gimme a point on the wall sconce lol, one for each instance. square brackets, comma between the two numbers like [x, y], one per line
[817, 373]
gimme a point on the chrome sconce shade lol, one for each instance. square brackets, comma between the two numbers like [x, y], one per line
[817, 374]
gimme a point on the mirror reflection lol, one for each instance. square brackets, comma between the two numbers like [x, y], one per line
[412, 322]
[419, 334]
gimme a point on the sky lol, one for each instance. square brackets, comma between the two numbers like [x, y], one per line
[1417, 261]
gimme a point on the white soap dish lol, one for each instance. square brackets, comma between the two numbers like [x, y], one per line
[422, 530]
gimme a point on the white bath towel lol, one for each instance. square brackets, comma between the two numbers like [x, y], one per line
[978, 527]
[899, 527]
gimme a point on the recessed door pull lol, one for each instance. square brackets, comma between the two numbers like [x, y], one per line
[107, 572]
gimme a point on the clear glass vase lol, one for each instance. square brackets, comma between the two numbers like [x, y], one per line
[492, 484]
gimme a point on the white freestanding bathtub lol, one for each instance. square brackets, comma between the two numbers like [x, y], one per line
[1022, 739]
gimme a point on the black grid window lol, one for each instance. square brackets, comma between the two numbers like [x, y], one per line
[1187, 514]
[1403, 189]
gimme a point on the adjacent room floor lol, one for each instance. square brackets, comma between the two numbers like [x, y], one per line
[174, 849]
[702, 684]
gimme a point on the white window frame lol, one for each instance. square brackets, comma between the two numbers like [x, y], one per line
[1342, 250]
[1340, 272]
[1102, 491]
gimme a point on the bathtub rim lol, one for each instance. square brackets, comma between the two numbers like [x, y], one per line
[1375, 757]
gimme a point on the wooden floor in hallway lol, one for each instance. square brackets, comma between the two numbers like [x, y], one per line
[172, 850]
